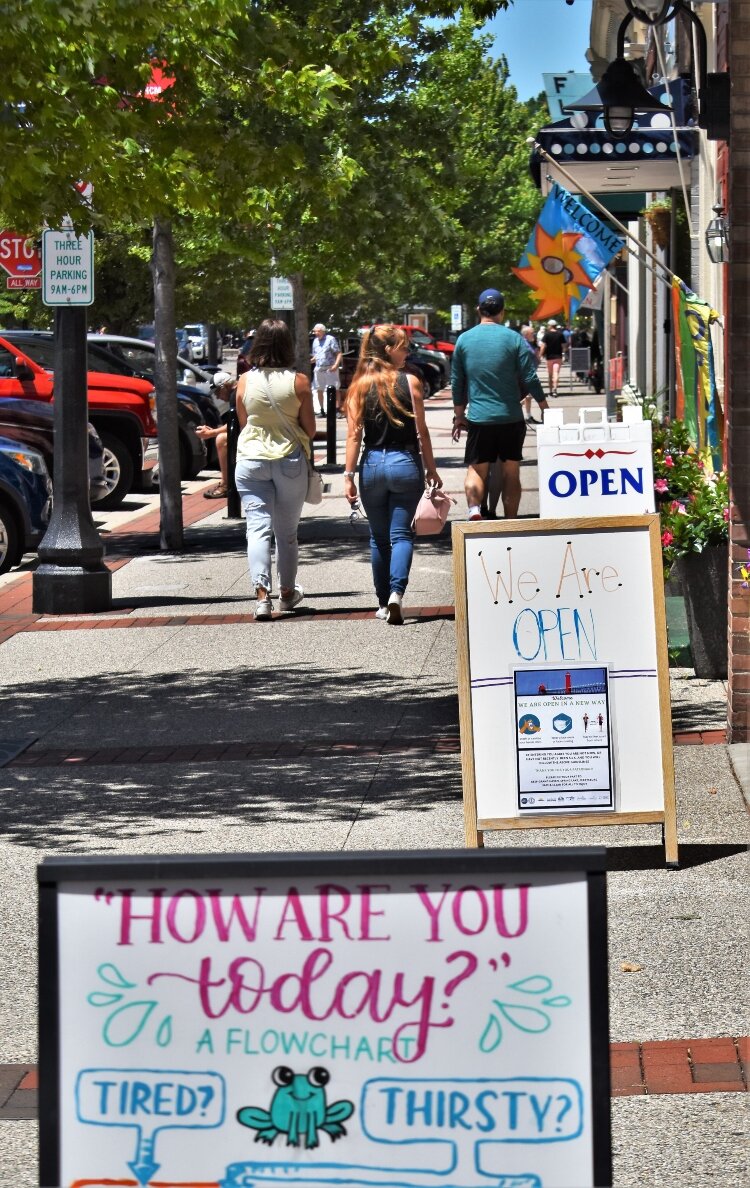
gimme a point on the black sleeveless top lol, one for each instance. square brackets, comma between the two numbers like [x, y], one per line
[382, 434]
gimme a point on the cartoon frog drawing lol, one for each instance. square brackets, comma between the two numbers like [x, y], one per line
[298, 1109]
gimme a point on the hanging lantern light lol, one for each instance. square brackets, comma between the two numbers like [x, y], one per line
[717, 237]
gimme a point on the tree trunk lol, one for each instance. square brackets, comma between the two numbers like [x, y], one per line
[301, 327]
[165, 382]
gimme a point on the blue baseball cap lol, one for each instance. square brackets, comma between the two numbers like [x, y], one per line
[491, 297]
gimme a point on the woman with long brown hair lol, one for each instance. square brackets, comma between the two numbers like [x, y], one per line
[385, 407]
[277, 423]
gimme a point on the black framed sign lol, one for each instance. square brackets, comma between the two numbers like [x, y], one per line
[402, 1019]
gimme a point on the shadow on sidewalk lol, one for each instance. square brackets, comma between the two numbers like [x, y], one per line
[67, 807]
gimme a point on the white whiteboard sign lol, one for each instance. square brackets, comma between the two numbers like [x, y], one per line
[67, 268]
[282, 296]
[592, 468]
[561, 597]
[430, 1012]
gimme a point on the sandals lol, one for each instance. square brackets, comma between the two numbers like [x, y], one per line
[216, 493]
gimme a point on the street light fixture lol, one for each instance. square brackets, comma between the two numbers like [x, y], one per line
[620, 94]
[717, 237]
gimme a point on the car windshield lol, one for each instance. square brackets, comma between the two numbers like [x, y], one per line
[41, 350]
[420, 338]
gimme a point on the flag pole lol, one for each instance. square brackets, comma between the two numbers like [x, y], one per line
[621, 226]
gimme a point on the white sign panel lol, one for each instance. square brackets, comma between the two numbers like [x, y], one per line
[563, 750]
[281, 293]
[327, 1019]
[561, 597]
[595, 468]
[457, 317]
[67, 268]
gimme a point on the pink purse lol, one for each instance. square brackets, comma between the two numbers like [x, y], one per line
[432, 512]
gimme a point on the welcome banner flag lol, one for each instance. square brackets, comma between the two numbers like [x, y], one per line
[568, 249]
[697, 402]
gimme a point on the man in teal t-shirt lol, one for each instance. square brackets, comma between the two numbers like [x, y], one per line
[492, 371]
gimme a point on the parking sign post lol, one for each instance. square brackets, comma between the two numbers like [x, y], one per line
[71, 577]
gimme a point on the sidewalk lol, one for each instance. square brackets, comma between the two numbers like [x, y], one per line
[176, 724]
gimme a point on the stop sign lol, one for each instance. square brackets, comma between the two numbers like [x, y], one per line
[19, 256]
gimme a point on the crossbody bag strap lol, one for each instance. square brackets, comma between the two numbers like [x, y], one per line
[285, 420]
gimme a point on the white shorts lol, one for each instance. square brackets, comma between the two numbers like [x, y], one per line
[325, 379]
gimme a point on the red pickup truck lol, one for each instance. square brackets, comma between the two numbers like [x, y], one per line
[122, 409]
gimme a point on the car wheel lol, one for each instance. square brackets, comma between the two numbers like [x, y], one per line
[117, 465]
[10, 543]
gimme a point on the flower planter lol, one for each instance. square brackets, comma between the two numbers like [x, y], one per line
[659, 219]
[704, 578]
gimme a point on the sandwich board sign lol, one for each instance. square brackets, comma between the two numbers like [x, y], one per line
[225, 1020]
[593, 468]
[563, 675]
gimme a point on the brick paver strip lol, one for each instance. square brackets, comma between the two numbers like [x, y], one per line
[650, 1068]
[230, 751]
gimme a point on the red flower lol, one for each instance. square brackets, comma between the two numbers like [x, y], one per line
[668, 460]
[666, 539]
[726, 513]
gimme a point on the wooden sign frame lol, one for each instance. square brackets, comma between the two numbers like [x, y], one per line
[474, 826]
[103, 878]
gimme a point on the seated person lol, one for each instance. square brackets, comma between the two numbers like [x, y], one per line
[223, 388]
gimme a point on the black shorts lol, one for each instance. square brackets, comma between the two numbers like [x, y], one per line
[487, 443]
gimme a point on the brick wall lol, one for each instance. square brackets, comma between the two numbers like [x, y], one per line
[738, 340]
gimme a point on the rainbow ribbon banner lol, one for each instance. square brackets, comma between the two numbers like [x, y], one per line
[567, 251]
[698, 401]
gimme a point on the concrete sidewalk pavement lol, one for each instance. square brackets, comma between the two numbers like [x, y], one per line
[176, 724]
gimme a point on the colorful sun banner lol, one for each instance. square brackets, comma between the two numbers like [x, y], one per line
[698, 402]
[568, 249]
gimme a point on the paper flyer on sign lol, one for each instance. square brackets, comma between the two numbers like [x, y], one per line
[383, 1030]
[563, 744]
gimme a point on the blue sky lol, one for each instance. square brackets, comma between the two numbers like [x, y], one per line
[541, 37]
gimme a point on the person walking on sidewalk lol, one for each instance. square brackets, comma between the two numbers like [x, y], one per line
[326, 361]
[552, 349]
[277, 422]
[387, 408]
[529, 336]
[490, 364]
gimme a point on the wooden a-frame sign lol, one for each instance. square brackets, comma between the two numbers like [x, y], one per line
[563, 675]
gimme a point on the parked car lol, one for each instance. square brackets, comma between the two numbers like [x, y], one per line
[25, 500]
[122, 408]
[199, 334]
[420, 363]
[421, 338]
[32, 424]
[195, 402]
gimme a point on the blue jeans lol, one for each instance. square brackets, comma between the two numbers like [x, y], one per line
[391, 485]
[272, 495]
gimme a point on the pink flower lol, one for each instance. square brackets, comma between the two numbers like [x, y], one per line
[726, 513]
[661, 485]
[668, 460]
[701, 465]
[666, 539]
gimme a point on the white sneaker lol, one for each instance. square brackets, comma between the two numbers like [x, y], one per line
[263, 608]
[393, 610]
[381, 612]
[288, 604]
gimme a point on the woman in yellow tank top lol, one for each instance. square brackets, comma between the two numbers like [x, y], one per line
[277, 423]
